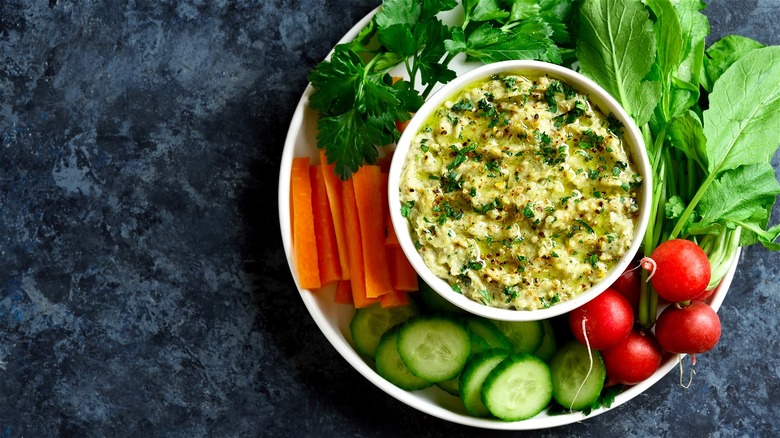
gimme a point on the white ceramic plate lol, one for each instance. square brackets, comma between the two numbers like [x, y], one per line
[333, 319]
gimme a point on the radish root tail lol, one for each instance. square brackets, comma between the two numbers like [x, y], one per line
[590, 365]
[650, 265]
[693, 372]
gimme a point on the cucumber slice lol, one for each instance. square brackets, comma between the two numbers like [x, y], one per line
[436, 302]
[434, 348]
[549, 346]
[390, 366]
[525, 336]
[370, 323]
[478, 344]
[450, 386]
[488, 331]
[518, 388]
[473, 376]
[570, 367]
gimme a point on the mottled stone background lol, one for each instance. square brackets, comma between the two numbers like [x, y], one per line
[143, 285]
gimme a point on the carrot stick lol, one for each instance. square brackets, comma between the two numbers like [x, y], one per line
[384, 163]
[391, 239]
[385, 208]
[304, 242]
[368, 198]
[355, 247]
[395, 298]
[344, 292]
[333, 186]
[404, 277]
[324, 233]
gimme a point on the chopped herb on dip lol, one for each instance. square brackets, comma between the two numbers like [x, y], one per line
[505, 158]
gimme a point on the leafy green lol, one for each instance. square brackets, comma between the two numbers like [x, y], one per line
[616, 48]
[741, 123]
[496, 30]
[483, 10]
[359, 102]
[741, 195]
[357, 109]
[694, 27]
[489, 44]
[686, 134]
[724, 52]
[428, 60]
[393, 12]
[711, 179]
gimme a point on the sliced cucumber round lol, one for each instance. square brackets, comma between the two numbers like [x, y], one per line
[390, 366]
[370, 323]
[436, 302]
[473, 376]
[577, 376]
[518, 388]
[525, 336]
[488, 331]
[434, 348]
[478, 344]
[549, 346]
[450, 386]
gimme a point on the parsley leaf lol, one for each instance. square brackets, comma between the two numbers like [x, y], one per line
[349, 140]
[358, 101]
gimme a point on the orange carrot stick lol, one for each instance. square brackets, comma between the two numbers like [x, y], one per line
[333, 186]
[324, 233]
[395, 298]
[384, 163]
[391, 239]
[344, 292]
[368, 198]
[304, 242]
[355, 247]
[404, 277]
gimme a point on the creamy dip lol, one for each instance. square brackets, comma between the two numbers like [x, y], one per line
[520, 193]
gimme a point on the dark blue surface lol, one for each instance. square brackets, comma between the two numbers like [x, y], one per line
[143, 285]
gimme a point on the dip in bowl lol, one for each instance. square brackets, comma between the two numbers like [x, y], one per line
[520, 190]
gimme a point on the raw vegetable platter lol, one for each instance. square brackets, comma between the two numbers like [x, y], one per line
[334, 319]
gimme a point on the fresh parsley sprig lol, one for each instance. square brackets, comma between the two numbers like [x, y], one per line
[359, 103]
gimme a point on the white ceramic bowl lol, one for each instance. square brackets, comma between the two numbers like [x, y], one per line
[602, 100]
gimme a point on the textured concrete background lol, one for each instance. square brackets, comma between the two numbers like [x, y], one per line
[143, 285]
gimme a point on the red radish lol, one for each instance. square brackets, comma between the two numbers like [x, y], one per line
[634, 359]
[679, 270]
[705, 295]
[691, 329]
[629, 285]
[604, 321]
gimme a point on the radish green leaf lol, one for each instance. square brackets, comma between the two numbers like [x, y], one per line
[616, 48]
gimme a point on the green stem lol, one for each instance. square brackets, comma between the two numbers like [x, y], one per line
[648, 299]
[410, 70]
[691, 180]
[430, 86]
[727, 246]
[691, 206]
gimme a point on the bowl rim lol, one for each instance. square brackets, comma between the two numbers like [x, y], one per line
[598, 97]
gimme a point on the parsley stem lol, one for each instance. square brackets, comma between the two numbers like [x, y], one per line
[429, 89]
